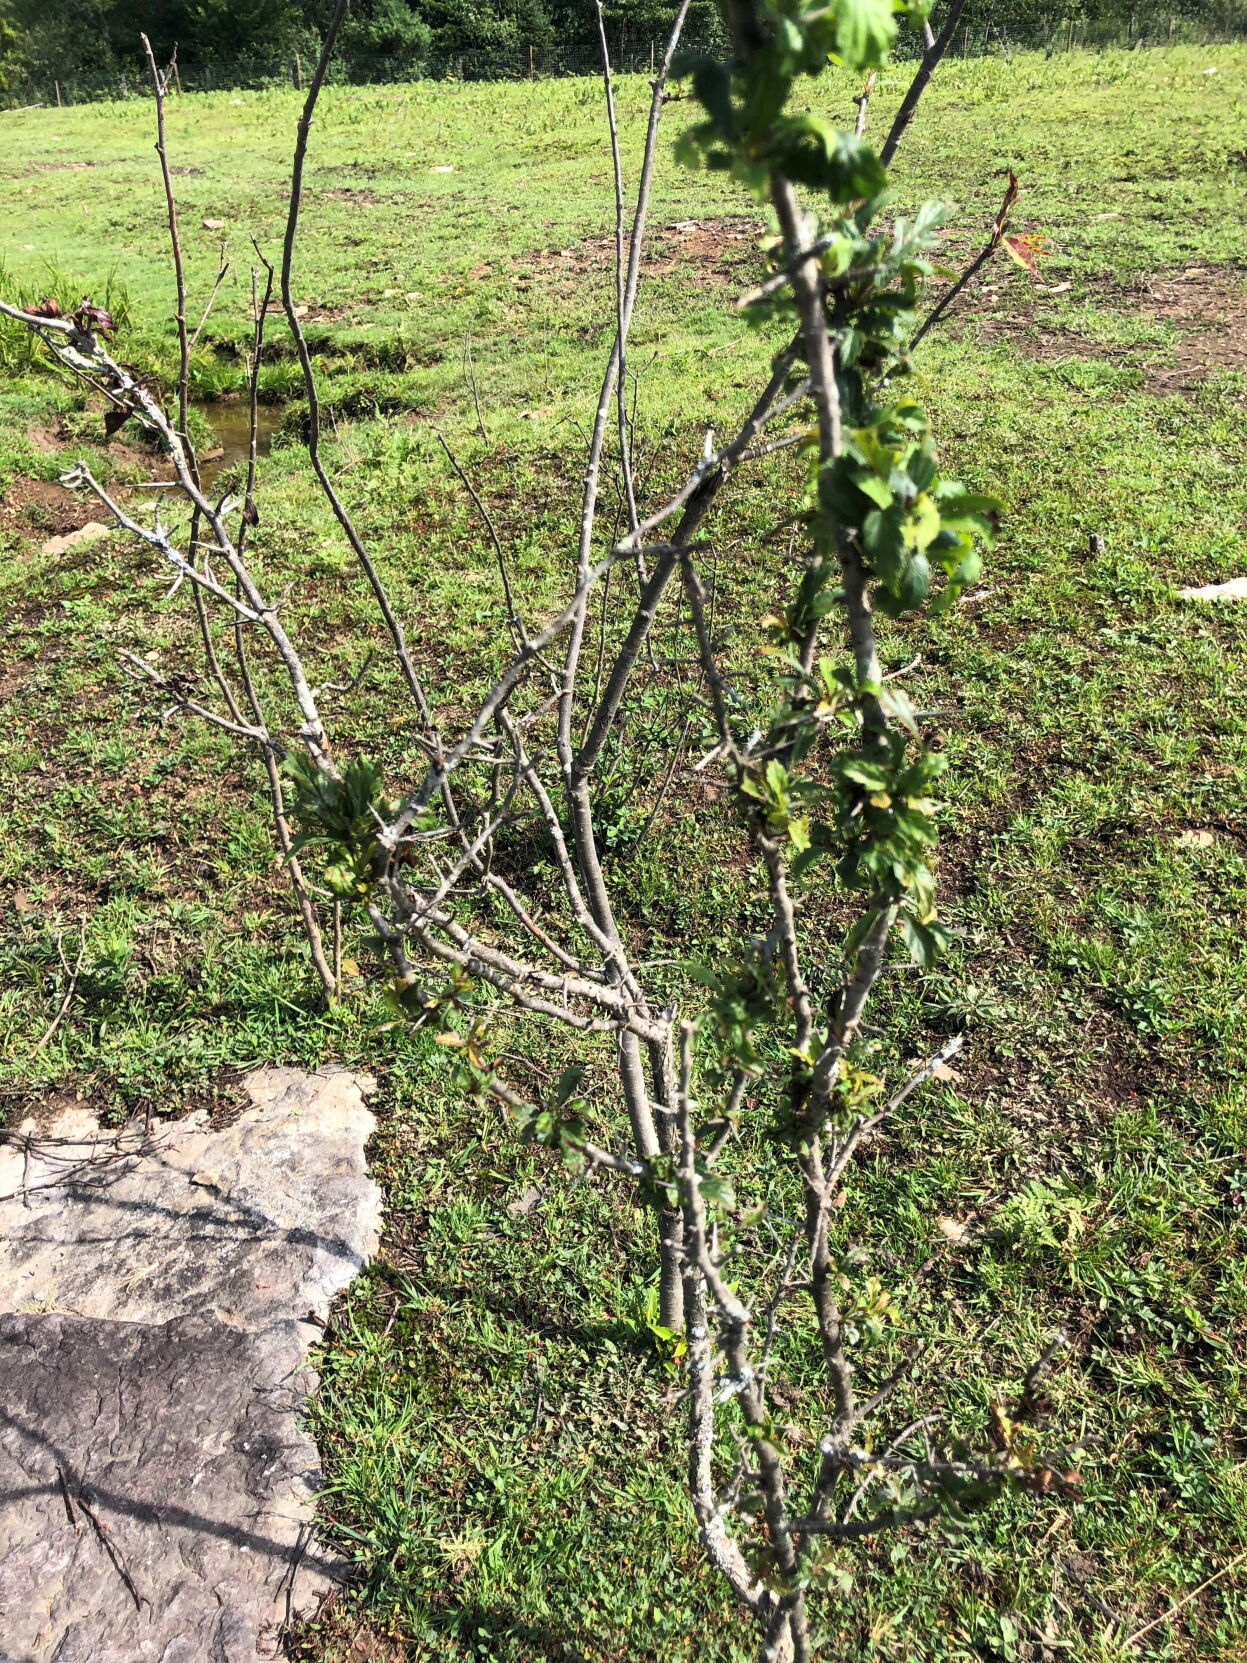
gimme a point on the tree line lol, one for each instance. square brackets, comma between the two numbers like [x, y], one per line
[95, 39]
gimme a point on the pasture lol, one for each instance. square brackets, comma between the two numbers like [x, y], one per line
[490, 1402]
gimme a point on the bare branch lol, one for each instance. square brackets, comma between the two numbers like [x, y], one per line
[159, 87]
[222, 273]
[930, 62]
[335, 502]
[142, 670]
[513, 615]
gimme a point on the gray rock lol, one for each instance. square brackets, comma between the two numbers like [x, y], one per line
[266, 1218]
[176, 1450]
[155, 1482]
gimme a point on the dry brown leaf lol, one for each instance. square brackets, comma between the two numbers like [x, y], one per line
[524, 1205]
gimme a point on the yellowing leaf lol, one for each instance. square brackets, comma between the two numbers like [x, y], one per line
[1025, 249]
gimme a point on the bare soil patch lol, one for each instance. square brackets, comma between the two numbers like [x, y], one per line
[338, 1635]
[718, 248]
[79, 166]
[1207, 304]
[1210, 307]
[356, 198]
[41, 506]
[44, 508]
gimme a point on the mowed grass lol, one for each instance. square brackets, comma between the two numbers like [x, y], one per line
[495, 1424]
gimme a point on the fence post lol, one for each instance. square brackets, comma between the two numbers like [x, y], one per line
[651, 57]
[532, 73]
[57, 85]
[298, 73]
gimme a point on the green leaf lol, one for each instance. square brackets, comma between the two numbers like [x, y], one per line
[865, 31]
[869, 774]
[813, 153]
[955, 500]
[569, 1081]
[925, 941]
[789, 39]
[883, 535]
[915, 582]
[924, 524]
[859, 932]
[874, 487]
[713, 85]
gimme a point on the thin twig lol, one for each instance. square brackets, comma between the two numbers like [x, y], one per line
[469, 374]
[69, 989]
[1182, 1603]
[159, 88]
[513, 616]
[221, 275]
[309, 375]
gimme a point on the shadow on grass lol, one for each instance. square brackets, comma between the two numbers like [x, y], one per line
[526, 1312]
[484, 1630]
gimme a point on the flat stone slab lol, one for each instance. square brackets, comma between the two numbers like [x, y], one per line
[268, 1217]
[157, 1488]
[155, 1482]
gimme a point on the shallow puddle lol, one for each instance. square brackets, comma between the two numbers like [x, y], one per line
[231, 429]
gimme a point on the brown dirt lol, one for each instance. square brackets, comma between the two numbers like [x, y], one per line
[717, 248]
[1210, 307]
[1206, 304]
[79, 166]
[338, 1635]
[40, 507]
[39, 1105]
[12, 679]
[356, 198]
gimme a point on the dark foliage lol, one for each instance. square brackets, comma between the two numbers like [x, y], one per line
[95, 40]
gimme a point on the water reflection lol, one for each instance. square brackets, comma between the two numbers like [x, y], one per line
[231, 429]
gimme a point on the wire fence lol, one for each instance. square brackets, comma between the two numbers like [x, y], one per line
[533, 61]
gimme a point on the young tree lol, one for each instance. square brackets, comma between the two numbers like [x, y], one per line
[835, 792]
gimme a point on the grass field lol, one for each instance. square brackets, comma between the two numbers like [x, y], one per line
[491, 1407]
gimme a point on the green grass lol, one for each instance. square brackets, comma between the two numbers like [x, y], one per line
[491, 1411]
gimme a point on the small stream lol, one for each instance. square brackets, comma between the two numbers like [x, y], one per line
[231, 428]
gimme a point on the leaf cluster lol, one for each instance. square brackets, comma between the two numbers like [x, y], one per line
[749, 132]
[341, 814]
